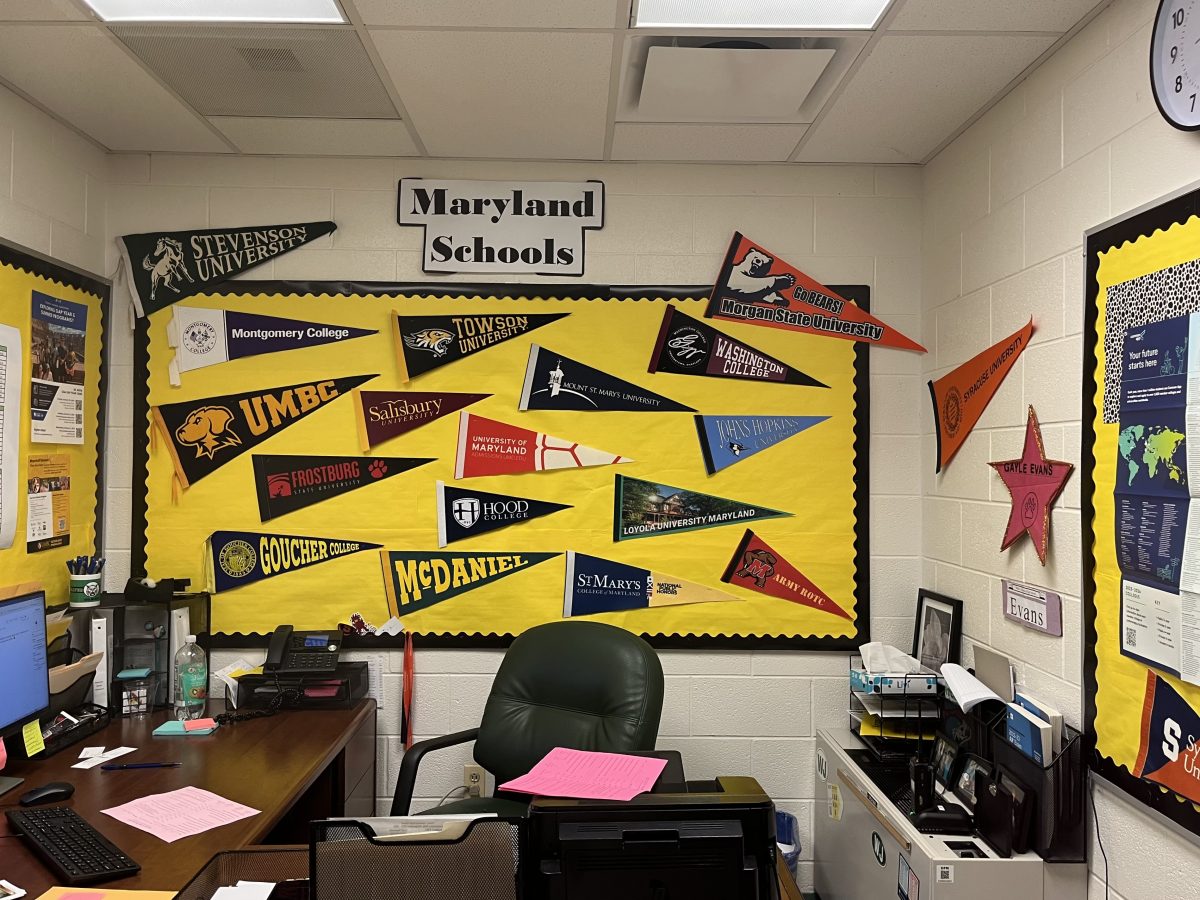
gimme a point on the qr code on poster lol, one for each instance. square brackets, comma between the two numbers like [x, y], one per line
[1130, 637]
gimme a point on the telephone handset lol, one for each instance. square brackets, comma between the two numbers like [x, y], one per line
[292, 652]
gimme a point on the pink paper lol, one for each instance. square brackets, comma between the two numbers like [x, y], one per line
[589, 775]
[3, 754]
[82, 895]
[179, 814]
[197, 724]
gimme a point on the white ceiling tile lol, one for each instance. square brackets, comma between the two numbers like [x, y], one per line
[506, 94]
[81, 74]
[497, 13]
[913, 92]
[317, 137]
[992, 15]
[41, 11]
[707, 143]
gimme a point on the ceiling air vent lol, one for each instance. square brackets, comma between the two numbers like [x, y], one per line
[270, 59]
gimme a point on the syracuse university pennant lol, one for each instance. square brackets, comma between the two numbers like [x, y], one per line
[204, 434]
[756, 567]
[646, 509]
[424, 343]
[596, 585]
[687, 346]
[489, 447]
[1170, 739]
[757, 287]
[463, 514]
[725, 440]
[386, 414]
[554, 381]
[285, 484]
[164, 267]
[237, 558]
[415, 580]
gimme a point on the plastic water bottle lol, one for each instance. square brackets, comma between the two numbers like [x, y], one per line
[191, 680]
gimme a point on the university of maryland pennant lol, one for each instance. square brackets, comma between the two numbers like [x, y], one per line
[425, 343]
[756, 567]
[490, 447]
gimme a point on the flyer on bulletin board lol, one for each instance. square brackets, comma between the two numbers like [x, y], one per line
[58, 336]
[10, 431]
[48, 518]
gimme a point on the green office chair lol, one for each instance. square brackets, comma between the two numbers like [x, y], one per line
[581, 685]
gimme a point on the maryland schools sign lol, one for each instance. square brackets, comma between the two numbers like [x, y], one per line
[497, 226]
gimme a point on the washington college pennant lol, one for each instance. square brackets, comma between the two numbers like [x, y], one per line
[205, 337]
[285, 484]
[596, 585]
[204, 434]
[489, 447]
[463, 514]
[417, 580]
[725, 440]
[687, 346]
[1170, 740]
[386, 414]
[646, 509]
[757, 287]
[424, 343]
[756, 567]
[554, 381]
[164, 267]
[961, 396]
[238, 558]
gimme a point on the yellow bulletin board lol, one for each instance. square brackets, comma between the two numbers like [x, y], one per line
[21, 276]
[818, 475]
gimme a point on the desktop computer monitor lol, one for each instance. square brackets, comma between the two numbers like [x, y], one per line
[24, 673]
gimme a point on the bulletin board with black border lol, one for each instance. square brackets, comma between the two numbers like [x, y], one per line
[818, 477]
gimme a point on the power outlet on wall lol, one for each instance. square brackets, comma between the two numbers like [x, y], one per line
[473, 779]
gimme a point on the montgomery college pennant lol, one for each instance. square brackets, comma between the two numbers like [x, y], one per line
[756, 567]
[386, 414]
[165, 267]
[554, 381]
[285, 484]
[489, 447]
[417, 580]
[646, 508]
[238, 558]
[596, 585]
[463, 514]
[204, 434]
[424, 343]
[725, 440]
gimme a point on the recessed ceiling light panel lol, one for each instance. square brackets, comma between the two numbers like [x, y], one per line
[761, 14]
[317, 11]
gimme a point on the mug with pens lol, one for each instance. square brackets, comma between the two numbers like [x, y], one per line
[85, 573]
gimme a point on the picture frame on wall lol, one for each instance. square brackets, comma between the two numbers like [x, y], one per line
[937, 634]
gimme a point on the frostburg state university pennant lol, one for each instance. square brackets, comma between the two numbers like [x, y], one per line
[204, 434]
[241, 557]
[386, 414]
[489, 447]
[287, 483]
[463, 514]
[424, 343]
[757, 567]
[646, 509]
[416, 580]
[725, 440]
[596, 585]
[554, 381]
[164, 267]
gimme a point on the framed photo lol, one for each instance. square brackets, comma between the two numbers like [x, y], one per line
[964, 785]
[938, 630]
[945, 754]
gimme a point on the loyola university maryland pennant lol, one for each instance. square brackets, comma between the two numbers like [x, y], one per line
[285, 484]
[424, 343]
[415, 580]
[237, 558]
[646, 508]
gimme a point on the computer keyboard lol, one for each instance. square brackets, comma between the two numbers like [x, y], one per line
[71, 848]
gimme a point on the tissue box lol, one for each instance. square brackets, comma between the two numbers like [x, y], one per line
[911, 685]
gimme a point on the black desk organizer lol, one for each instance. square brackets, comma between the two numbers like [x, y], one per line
[257, 691]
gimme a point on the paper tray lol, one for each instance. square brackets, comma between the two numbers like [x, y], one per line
[259, 864]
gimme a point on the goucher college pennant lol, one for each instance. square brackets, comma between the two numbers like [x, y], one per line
[387, 414]
[237, 558]
[424, 343]
[285, 484]
[596, 585]
[756, 567]
[415, 580]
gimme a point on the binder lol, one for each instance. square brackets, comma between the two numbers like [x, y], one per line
[101, 643]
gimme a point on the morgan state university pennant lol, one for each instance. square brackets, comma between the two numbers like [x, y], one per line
[425, 343]
[756, 567]
[387, 414]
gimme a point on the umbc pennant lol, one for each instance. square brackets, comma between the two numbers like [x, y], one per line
[687, 346]
[424, 343]
[463, 514]
[416, 580]
[756, 567]
[489, 447]
[287, 483]
[725, 440]
[596, 585]
[238, 558]
[757, 287]
[554, 381]
[1170, 740]
[644, 509]
[386, 414]
[204, 434]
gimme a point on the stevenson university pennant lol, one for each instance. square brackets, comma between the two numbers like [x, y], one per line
[237, 558]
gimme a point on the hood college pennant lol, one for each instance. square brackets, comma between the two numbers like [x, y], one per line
[554, 381]
[285, 484]
[424, 343]
[725, 440]
[757, 567]
[237, 558]
[415, 580]
[164, 267]
[387, 414]
[646, 508]
[489, 447]
[596, 585]
[1170, 739]
[757, 287]
[463, 514]
[204, 434]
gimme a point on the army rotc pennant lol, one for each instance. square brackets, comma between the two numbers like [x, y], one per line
[204, 434]
[1170, 739]
[645, 509]
[285, 484]
[386, 414]
[596, 585]
[687, 346]
[424, 343]
[725, 440]
[554, 381]
[164, 267]
[757, 287]
[237, 558]
[757, 567]
[463, 514]
[488, 447]
[416, 580]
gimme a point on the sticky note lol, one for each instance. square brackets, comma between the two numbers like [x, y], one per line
[197, 724]
[32, 733]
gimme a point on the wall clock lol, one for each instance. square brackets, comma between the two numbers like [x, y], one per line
[1175, 62]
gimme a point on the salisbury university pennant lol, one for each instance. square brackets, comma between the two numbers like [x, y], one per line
[424, 343]
[241, 557]
[757, 567]
[415, 580]
[204, 434]
[554, 381]
[386, 414]
[725, 440]
[164, 267]
[1170, 739]
[646, 508]
[287, 483]
[463, 514]
[596, 585]
[489, 447]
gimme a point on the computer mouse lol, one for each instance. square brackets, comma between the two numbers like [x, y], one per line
[48, 793]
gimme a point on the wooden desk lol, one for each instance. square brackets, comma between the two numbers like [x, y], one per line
[313, 764]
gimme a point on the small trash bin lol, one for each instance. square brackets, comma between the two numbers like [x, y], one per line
[787, 837]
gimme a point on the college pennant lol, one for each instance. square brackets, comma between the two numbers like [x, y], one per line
[202, 435]
[164, 267]
[757, 287]
[205, 337]
[237, 558]
[548, 385]
[424, 343]
[285, 484]
[463, 514]
[646, 508]
[725, 440]
[961, 396]
[687, 346]
[415, 580]
[489, 447]
[1170, 739]
[386, 414]
[596, 585]
[756, 567]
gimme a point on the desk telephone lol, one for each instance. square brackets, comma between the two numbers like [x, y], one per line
[302, 652]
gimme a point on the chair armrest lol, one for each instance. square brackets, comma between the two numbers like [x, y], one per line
[406, 782]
